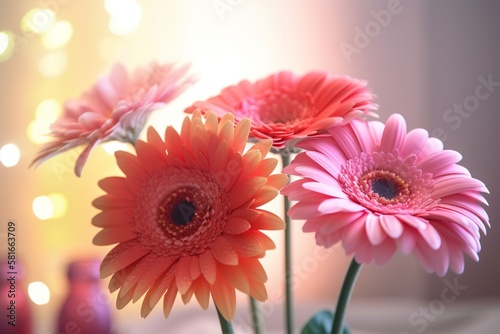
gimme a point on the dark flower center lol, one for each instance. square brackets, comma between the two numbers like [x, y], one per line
[386, 183]
[179, 214]
[384, 188]
[183, 213]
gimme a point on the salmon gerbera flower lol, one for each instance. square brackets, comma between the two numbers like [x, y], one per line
[186, 216]
[116, 108]
[378, 188]
[286, 107]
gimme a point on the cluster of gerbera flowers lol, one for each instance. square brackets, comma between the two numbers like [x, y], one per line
[186, 213]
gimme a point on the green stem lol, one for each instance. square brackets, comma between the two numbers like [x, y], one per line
[257, 320]
[225, 325]
[285, 158]
[345, 295]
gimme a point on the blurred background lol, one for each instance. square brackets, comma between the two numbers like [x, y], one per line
[423, 59]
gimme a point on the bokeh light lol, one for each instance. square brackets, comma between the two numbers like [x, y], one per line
[58, 35]
[37, 131]
[6, 45]
[48, 110]
[50, 206]
[125, 16]
[46, 113]
[43, 208]
[60, 204]
[37, 20]
[9, 155]
[39, 293]
[52, 64]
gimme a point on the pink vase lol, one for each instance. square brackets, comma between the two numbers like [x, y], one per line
[14, 304]
[86, 308]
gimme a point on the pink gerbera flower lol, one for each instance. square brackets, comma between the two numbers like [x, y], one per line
[186, 216]
[379, 188]
[116, 108]
[286, 107]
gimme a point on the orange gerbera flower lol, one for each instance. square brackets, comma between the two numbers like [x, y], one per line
[186, 216]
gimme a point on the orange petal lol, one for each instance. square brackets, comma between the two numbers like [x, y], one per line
[121, 256]
[194, 269]
[241, 132]
[218, 160]
[236, 225]
[155, 140]
[246, 244]
[258, 291]
[211, 122]
[157, 267]
[130, 165]
[236, 277]
[188, 295]
[249, 215]
[150, 160]
[168, 300]
[226, 130]
[182, 274]
[208, 266]
[114, 217]
[265, 167]
[156, 291]
[115, 185]
[123, 300]
[264, 195]
[277, 181]
[119, 278]
[241, 197]
[224, 252]
[112, 235]
[202, 293]
[251, 160]
[263, 146]
[173, 142]
[268, 221]
[224, 298]
[254, 269]
[112, 202]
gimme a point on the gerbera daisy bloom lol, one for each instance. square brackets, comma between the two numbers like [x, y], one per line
[116, 108]
[186, 216]
[378, 188]
[286, 107]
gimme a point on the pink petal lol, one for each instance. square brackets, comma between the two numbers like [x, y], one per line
[339, 205]
[431, 237]
[391, 225]
[438, 161]
[394, 134]
[325, 189]
[414, 142]
[374, 231]
[454, 184]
